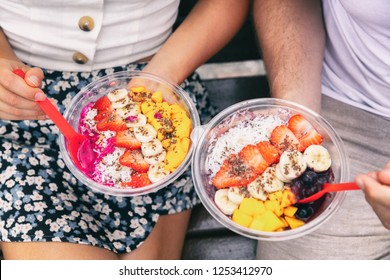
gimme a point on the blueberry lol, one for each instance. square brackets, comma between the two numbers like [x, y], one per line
[304, 212]
[309, 178]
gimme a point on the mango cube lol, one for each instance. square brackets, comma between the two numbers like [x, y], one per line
[157, 96]
[272, 221]
[290, 211]
[288, 198]
[274, 206]
[252, 206]
[294, 222]
[242, 218]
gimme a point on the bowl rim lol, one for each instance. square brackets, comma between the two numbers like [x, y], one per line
[128, 192]
[337, 200]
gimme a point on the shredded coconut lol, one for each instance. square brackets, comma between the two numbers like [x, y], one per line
[245, 132]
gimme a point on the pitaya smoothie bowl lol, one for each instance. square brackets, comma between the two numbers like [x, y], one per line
[257, 158]
[138, 126]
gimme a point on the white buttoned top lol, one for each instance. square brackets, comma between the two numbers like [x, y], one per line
[85, 35]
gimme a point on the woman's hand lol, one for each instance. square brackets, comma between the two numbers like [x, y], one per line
[18, 96]
[376, 187]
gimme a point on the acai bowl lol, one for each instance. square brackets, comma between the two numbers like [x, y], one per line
[257, 158]
[139, 127]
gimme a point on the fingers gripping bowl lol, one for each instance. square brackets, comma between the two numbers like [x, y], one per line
[255, 159]
[139, 126]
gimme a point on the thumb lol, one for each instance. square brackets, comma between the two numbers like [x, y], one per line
[34, 77]
[384, 175]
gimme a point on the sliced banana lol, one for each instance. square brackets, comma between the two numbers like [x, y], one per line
[156, 158]
[317, 158]
[152, 148]
[270, 182]
[256, 190]
[235, 194]
[121, 103]
[292, 164]
[117, 94]
[279, 174]
[156, 172]
[145, 133]
[131, 109]
[137, 120]
[224, 204]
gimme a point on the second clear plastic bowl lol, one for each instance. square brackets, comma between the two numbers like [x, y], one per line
[284, 109]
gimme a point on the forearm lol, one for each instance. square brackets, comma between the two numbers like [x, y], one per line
[209, 26]
[292, 39]
[6, 51]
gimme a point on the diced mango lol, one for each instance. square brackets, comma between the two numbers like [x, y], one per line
[182, 126]
[276, 196]
[148, 106]
[284, 221]
[252, 206]
[242, 218]
[169, 142]
[157, 96]
[274, 206]
[164, 109]
[138, 89]
[185, 144]
[258, 224]
[290, 211]
[175, 156]
[177, 110]
[288, 198]
[272, 222]
[293, 222]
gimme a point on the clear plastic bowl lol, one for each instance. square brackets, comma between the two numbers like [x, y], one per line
[104, 85]
[202, 137]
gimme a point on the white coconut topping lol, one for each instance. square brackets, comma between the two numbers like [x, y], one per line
[233, 140]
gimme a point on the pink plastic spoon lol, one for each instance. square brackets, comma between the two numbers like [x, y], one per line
[328, 187]
[79, 146]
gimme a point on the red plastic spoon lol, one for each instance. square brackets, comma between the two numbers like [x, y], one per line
[79, 146]
[328, 187]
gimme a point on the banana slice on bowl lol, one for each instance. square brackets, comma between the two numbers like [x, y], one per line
[145, 133]
[152, 148]
[235, 194]
[292, 164]
[317, 158]
[223, 202]
[117, 94]
[156, 172]
[121, 103]
[270, 181]
[137, 120]
[156, 158]
[131, 109]
[256, 190]
[279, 174]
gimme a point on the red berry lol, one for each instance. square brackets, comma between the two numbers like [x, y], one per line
[137, 180]
[135, 160]
[251, 155]
[126, 139]
[283, 139]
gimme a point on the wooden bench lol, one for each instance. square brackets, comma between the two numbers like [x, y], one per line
[206, 238]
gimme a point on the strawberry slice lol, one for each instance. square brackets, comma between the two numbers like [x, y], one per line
[251, 155]
[126, 139]
[233, 172]
[137, 180]
[268, 151]
[284, 139]
[311, 138]
[304, 131]
[102, 104]
[135, 160]
[111, 121]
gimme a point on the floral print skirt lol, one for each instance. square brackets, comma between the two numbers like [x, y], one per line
[40, 200]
